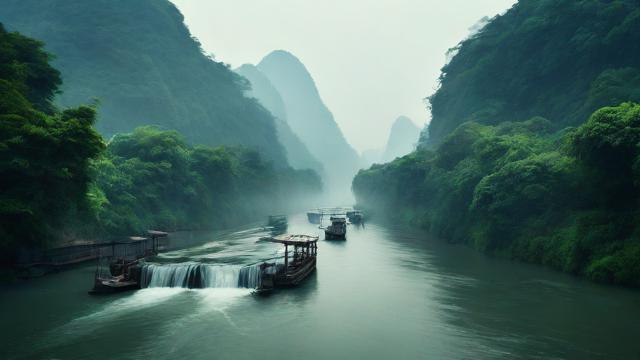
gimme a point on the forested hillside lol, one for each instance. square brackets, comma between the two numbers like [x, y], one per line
[501, 170]
[61, 181]
[559, 59]
[138, 59]
[44, 154]
[153, 179]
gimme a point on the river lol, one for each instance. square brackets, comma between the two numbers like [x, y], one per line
[385, 293]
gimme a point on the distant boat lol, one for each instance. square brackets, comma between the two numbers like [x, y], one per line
[337, 230]
[278, 221]
[355, 216]
[314, 216]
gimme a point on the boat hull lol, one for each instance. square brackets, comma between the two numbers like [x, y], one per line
[296, 277]
[334, 236]
[103, 287]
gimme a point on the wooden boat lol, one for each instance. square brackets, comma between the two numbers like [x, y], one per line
[277, 221]
[355, 216]
[119, 270]
[112, 285]
[295, 269]
[314, 217]
[337, 230]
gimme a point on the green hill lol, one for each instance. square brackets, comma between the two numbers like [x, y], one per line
[499, 169]
[139, 59]
[559, 59]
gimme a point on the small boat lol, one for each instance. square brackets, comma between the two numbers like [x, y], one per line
[355, 216]
[119, 269]
[277, 221]
[337, 230]
[112, 285]
[121, 276]
[314, 216]
[295, 268]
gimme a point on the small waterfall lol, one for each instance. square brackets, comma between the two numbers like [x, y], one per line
[198, 276]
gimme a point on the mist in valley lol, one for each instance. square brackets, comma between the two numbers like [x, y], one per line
[301, 179]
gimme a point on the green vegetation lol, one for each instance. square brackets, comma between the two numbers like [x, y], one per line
[140, 61]
[568, 200]
[152, 178]
[550, 190]
[60, 181]
[559, 59]
[44, 154]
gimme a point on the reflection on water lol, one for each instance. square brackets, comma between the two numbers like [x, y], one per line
[386, 292]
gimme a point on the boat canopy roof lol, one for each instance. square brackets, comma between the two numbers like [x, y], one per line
[289, 239]
[338, 219]
[157, 233]
[330, 210]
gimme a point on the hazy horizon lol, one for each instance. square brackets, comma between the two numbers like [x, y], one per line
[347, 51]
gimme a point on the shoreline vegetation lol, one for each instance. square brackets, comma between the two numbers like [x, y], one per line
[520, 191]
[533, 149]
[61, 180]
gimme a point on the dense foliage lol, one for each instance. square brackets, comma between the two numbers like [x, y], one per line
[569, 199]
[153, 178]
[537, 190]
[142, 64]
[559, 59]
[61, 182]
[44, 158]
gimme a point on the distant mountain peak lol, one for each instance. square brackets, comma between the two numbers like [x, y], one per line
[403, 137]
[310, 119]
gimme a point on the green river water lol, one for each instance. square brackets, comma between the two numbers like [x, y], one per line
[385, 293]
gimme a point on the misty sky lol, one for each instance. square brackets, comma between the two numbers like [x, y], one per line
[372, 60]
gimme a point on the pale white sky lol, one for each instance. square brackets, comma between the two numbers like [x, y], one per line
[372, 60]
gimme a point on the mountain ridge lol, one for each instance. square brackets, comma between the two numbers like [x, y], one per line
[311, 120]
[142, 63]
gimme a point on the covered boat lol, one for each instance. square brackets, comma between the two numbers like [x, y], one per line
[355, 216]
[337, 230]
[314, 216]
[278, 222]
[296, 267]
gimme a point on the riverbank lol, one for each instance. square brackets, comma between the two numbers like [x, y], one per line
[566, 199]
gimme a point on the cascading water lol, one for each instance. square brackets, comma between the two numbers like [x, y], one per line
[198, 276]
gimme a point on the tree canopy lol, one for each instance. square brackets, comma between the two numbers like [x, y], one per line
[559, 59]
[44, 158]
[567, 199]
